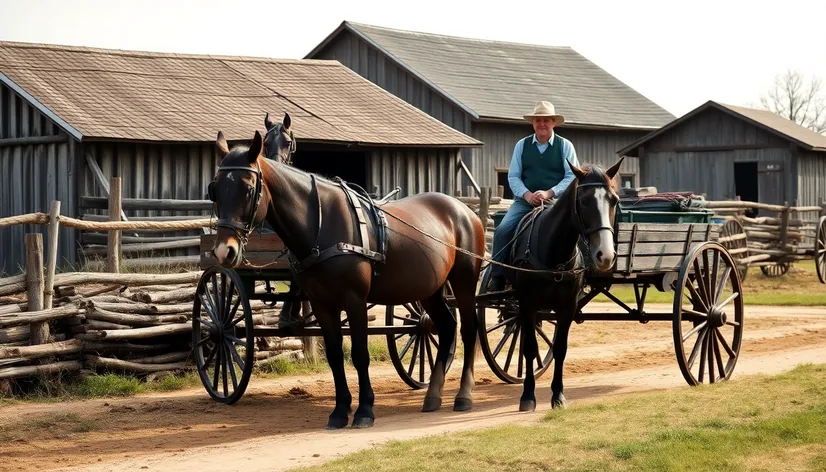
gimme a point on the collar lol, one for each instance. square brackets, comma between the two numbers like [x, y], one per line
[550, 139]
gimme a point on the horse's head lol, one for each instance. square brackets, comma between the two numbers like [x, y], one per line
[595, 211]
[279, 143]
[240, 197]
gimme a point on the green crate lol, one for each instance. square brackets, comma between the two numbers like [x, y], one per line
[631, 216]
[498, 217]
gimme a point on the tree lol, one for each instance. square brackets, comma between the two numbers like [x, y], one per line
[793, 98]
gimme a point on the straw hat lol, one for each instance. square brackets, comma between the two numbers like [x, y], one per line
[545, 108]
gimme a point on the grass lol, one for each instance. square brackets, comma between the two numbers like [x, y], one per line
[798, 287]
[755, 423]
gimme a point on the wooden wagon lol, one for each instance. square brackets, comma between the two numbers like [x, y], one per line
[707, 312]
[669, 256]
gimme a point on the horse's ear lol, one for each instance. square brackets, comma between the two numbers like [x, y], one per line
[221, 146]
[256, 147]
[579, 173]
[267, 122]
[612, 171]
[287, 120]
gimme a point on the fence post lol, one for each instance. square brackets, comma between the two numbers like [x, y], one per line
[51, 257]
[784, 223]
[484, 206]
[34, 285]
[115, 208]
[310, 344]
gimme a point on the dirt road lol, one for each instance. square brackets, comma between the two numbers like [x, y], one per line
[279, 423]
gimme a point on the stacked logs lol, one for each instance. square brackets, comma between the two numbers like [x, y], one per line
[137, 323]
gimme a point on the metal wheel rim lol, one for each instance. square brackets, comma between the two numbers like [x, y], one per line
[223, 385]
[513, 332]
[708, 342]
[420, 346]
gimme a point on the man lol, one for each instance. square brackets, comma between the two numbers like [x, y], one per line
[537, 172]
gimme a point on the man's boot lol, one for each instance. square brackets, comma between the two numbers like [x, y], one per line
[290, 315]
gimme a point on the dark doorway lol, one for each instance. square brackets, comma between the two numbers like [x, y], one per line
[502, 179]
[350, 166]
[745, 183]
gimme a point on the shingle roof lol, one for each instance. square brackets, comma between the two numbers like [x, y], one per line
[501, 80]
[765, 119]
[172, 97]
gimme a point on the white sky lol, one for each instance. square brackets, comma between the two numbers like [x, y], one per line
[677, 54]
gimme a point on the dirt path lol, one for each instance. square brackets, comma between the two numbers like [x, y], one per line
[279, 423]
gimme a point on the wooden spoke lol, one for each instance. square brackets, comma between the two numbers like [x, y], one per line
[418, 342]
[512, 319]
[707, 275]
[219, 307]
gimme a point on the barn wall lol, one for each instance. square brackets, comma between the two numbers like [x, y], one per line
[592, 147]
[712, 172]
[414, 170]
[811, 179]
[714, 128]
[31, 177]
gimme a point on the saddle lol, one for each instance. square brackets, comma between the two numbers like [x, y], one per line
[364, 207]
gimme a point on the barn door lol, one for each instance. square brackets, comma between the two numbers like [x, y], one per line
[770, 182]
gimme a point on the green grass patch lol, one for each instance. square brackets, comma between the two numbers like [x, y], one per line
[753, 423]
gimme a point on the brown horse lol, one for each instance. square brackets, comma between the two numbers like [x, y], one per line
[312, 216]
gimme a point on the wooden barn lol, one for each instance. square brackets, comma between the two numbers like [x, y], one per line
[483, 88]
[727, 151]
[69, 113]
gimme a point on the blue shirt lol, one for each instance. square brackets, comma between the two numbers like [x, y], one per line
[515, 170]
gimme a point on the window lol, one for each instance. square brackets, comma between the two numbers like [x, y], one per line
[627, 181]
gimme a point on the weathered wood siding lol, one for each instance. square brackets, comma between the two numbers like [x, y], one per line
[31, 176]
[592, 147]
[414, 170]
[811, 179]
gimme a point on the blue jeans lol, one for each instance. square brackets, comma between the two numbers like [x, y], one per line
[504, 232]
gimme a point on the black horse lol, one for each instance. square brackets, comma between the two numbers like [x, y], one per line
[334, 264]
[548, 244]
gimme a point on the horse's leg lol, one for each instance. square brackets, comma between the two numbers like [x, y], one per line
[463, 282]
[560, 348]
[330, 321]
[527, 315]
[446, 326]
[357, 317]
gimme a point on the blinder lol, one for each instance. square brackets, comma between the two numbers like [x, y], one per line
[246, 227]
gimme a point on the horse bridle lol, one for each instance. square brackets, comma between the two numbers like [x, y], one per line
[589, 231]
[243, 230]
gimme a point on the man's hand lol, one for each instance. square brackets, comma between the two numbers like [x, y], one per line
[545, 195]
[533, 198]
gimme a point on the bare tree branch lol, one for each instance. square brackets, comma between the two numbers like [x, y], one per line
[804, 103]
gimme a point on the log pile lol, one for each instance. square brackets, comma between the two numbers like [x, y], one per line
[137, 323]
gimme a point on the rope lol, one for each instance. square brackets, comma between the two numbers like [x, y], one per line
[28, 219]
[43, 218]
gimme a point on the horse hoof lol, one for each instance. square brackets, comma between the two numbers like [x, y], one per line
[431, 404]
[527, 405]
[363, 422]
[336, 422]
[559, 402]
[462, 404]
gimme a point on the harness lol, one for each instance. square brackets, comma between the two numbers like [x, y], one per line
[568, 270]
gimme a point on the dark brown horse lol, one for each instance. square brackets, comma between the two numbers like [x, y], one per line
[311, 214]
[582, 217]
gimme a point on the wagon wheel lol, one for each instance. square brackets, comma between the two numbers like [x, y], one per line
[504, 334]
[820, 250]
[738, 247]
[775, 270]
[414, 353]
[708, 315]
[220, 355]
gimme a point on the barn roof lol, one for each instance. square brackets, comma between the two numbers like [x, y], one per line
[131, 95]
[494, 80]
[763, 119]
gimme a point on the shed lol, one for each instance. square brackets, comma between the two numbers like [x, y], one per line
[483, 88]
[727, 151]
[152, 118]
